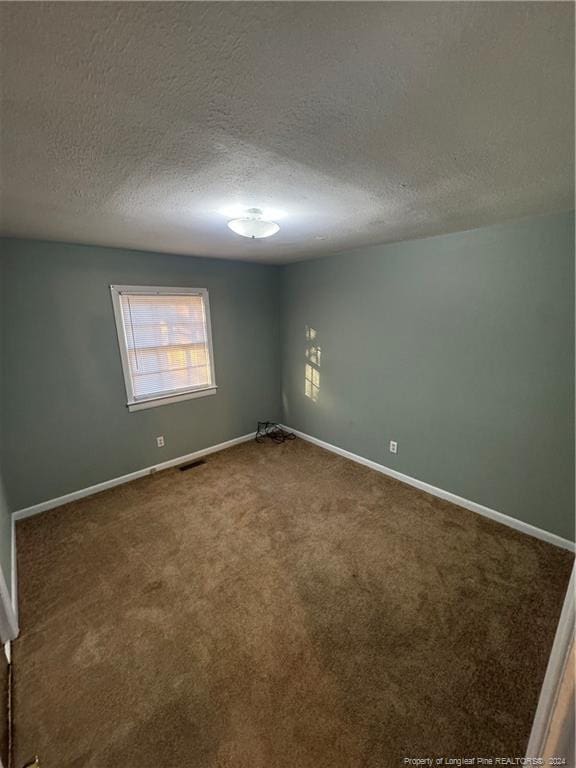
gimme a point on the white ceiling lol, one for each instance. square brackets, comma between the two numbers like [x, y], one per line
[143, 125]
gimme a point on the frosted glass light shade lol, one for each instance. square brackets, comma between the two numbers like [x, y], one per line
[253, 227]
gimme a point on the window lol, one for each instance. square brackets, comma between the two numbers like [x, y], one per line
[165, 343]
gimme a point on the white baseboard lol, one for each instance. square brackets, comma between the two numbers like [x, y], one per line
[511, 522]
[14, 573]
[44, 506]
[8, 620]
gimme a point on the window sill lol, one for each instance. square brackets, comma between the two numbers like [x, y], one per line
[156, 401]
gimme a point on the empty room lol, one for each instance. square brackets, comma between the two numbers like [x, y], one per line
[286, 384]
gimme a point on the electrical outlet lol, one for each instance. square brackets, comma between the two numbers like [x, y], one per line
[160, 441]
[393, 446]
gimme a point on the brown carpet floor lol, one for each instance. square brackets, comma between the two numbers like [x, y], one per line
[277, 607]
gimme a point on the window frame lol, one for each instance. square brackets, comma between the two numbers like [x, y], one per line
[138, 404]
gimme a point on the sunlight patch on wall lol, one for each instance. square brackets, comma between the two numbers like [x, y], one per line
[312, 369]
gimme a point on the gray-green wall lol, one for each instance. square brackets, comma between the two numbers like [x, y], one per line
[459, 347]
[66, 425]
[5, 519]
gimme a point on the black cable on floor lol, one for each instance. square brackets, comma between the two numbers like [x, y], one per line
[272, 431]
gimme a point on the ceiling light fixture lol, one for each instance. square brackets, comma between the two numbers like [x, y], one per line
[253, 225]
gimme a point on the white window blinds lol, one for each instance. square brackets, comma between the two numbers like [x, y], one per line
[165, 341]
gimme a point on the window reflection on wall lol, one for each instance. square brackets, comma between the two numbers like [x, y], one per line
[312, 369]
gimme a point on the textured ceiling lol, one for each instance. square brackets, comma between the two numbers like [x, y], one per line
[143, 124]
